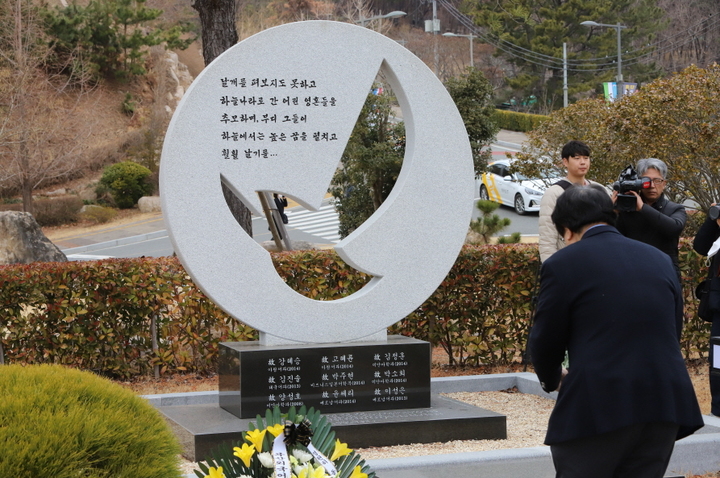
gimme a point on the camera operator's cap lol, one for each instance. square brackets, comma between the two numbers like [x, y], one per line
[715, 355]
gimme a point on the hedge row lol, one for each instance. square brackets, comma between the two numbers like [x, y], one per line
[515, 121]
[99, 315]
[482, 311]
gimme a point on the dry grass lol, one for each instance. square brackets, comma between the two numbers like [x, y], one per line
[87, 227]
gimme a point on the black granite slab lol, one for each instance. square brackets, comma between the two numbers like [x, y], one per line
[334, 378]
[200, 428]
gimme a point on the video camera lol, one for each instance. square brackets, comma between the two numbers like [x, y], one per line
[629, 181]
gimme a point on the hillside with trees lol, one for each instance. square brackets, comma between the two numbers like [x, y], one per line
[84, 85]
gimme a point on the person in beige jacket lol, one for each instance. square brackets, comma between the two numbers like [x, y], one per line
[576, 159]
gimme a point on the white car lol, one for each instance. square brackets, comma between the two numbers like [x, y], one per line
[515, 190]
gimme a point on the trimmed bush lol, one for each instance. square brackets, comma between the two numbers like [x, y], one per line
[97, 315]
[514, 121]
[57, 422]
[98, 214]
[127, 182]
[57, 211]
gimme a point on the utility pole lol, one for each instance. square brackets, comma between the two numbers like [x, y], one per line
[565, 85]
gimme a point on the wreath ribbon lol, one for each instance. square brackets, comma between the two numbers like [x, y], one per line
[293, 434]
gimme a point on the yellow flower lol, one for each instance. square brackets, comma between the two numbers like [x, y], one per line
[357, 473]
[310, 472]
[216, 473]
[276, 429]
[256, 437]
[245, 453]
[341, 449]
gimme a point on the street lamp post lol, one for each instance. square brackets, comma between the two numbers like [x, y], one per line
[470, 37]
[618, 27]
[396, 14]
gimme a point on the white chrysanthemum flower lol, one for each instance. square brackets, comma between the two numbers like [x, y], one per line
[299, 469]
[266, 460]
[302, 456]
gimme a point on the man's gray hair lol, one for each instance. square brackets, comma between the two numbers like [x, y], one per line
[652, 163]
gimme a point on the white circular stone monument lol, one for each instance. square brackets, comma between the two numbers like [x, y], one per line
[274, 113]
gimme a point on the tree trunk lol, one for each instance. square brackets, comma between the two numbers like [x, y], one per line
[219, 32]
[28, 205]
[217, 20]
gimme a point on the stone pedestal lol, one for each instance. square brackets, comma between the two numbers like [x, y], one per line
[333, 378]
[203, 427]
[372, 393]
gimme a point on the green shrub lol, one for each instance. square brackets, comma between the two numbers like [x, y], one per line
[57, 211]
[514, 121]
[126, 182]
[96, 315]
[57, 422]
[128, 105]
[98, 214]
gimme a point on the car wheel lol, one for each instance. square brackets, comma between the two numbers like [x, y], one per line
[484, 194]
[519, 204]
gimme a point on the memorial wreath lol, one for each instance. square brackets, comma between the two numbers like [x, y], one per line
[299, 444]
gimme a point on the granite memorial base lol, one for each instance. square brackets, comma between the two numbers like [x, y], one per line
[331, 377]
[203, 427]
[373, 394]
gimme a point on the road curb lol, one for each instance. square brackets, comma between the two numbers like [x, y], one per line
[116, 242]
[507, 144]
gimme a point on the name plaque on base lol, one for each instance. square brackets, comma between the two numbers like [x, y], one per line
[334, 378]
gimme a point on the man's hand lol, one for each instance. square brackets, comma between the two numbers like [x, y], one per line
[563, 374]
[638, 200]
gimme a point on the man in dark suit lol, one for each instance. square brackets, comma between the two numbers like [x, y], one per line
[615, 305]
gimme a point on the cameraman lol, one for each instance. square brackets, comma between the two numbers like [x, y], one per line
[655, 220]
[707, 235]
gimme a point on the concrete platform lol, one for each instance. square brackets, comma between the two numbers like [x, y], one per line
[696, 454]
[202, 427]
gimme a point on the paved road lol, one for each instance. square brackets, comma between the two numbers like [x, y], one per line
[319, 228]
[149, 237]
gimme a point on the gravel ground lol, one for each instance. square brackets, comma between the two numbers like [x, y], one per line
[527, 418]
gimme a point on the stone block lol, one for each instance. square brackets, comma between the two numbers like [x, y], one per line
[149, 204]
[23, 242]
[334, 378]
